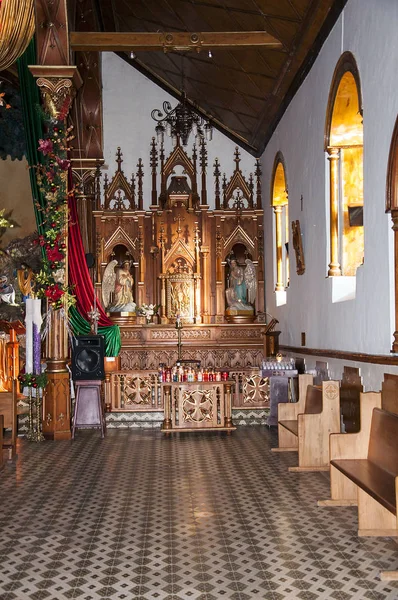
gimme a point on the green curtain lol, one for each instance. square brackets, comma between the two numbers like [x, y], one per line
[111, 333]
[33, 126]
[30, 98]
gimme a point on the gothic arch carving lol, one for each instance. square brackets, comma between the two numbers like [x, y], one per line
[238, 236]
[119, 236]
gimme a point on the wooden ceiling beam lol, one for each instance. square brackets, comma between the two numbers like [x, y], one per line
[168, 42]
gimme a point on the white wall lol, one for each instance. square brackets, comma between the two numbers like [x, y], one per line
[128, 99]
[367, 28]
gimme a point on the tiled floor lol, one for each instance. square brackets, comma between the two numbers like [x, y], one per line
[190, 516]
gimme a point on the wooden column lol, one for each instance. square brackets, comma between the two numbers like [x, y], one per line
[220, 302]
[394, 217]
[142, 263]
[334, 266]
[206, 285]
[58, 81]
[56, 404]
[56, 85]
[260, 270]
[279, 287]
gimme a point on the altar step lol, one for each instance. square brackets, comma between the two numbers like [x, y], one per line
[154, 420]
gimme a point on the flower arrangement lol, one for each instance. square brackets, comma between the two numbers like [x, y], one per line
[51, 177]
[32, 380]
[148, 310]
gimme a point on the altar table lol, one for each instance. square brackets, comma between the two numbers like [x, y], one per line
[197, 406]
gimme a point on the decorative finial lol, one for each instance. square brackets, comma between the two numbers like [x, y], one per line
[119, 159]
[237, 158]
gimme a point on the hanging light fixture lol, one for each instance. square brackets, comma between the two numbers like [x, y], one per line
[179, 122]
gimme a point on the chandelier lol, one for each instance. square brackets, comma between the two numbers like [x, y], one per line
[179, 122]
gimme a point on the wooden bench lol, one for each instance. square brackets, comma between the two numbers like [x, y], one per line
[8, 408]
[364, 471]
[305, 426]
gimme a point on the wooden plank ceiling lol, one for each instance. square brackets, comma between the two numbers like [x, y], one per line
[244, 90]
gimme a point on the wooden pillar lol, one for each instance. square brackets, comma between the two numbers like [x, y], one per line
[279, 287]
[220, 302]
[394, 217]
[334, 266]
[260, 300]
[56, 85]
[142, 263]
[56, 404]
[206, 285]
[58, 82]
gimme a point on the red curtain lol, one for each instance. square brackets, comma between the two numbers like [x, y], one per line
[79, 276]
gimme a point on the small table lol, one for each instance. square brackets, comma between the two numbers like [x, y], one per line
[281, 386]
[89, 410]
[197, 406]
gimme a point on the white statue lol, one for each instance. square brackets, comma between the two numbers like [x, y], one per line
[250, 280]
[7, 292]
[118, 283]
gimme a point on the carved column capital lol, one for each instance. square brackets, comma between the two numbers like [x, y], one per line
[58, 87]
[333, 153]
[394, 218]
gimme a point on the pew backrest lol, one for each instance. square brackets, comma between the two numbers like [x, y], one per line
[383, 441]
[313, 400]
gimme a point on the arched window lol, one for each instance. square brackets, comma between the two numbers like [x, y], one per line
[344, 147]
[279, 202]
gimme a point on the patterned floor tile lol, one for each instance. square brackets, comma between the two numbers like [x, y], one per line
[191, 517]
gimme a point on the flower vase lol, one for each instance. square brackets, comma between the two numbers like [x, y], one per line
[149, 321]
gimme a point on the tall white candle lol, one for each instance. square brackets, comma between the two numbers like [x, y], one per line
[30, 309]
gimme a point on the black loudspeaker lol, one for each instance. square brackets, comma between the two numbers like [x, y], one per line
[88, 357]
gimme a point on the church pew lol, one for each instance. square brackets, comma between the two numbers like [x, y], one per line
[343, 491]
[370, 471]
[8, 407]
[289, 411]
[320, 417]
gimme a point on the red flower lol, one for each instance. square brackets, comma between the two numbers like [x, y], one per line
[54, 292]
[45, 146]
[55, 255]
[63, 163]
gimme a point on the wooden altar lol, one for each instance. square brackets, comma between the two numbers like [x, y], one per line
[180, 253]
[180, 249]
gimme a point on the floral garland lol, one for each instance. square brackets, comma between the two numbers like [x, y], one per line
[32, 380]
[51, 177]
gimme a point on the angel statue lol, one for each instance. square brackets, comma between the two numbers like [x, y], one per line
[117, 288]
[241, 293]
